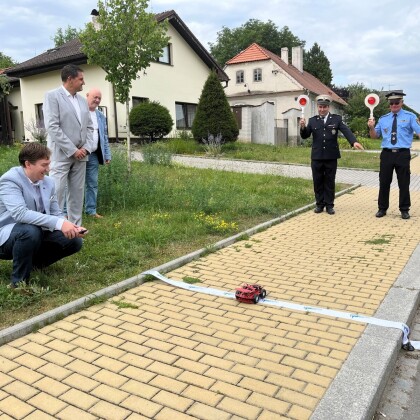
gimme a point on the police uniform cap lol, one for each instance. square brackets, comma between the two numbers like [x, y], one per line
[394, 95]
[323, 100]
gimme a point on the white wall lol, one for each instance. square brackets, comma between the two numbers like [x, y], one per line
[181, 81]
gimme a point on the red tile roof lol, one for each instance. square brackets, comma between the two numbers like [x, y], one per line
[253, 53]
[257, 53]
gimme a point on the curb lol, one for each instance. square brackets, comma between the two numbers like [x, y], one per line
[356, 391]
[32, 324]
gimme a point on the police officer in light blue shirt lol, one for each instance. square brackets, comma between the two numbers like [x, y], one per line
[396, 129]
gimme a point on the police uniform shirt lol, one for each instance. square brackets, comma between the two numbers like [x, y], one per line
[406, 126]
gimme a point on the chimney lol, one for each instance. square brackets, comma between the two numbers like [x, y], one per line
[297, 58]
[94, 13]
[285, 55]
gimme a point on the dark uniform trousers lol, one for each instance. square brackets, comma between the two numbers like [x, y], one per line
[323, 176]
[400, 161]
[324, 155]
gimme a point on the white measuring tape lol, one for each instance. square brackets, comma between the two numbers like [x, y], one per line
[298, 307]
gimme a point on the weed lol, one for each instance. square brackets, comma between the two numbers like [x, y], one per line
[243, 237]
[248, 245]
[157, 154]
[121, 304]
[209, 249]
[96, 300]
[191, 280]
[213, 144]
[382, 240]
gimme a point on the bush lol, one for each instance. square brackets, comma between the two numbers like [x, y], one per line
[359, 126]
[150, 119]
[214, 116]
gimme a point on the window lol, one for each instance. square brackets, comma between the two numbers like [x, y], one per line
[166, 55]
[185, 114]
[39, 113]
[138, 100]
[240, 76]
[257, 75]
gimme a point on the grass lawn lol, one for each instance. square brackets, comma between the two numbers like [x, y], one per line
[151, 216]
[282, 154]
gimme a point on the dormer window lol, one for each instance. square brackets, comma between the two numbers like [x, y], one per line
[257, 75]
[240, 76]
[165, 58]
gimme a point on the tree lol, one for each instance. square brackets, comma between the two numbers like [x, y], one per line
[214, 116]
[357, 113]
[6, 61]
[69, 33]
[317, 63]
[125, 41]
[5, 86]
[232, 41]
[150, 119]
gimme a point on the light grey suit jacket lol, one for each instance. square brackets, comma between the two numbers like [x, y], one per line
[66, 133]
[18, 202]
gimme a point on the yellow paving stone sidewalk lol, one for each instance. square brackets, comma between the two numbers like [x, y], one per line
[177, 354]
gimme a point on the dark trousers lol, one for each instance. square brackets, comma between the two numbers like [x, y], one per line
[400, 162]
[323, 175]
[31, 247]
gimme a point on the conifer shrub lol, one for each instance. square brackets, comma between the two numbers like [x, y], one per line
[214, 116]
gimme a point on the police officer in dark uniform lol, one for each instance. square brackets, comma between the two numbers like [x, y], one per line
[396, 129]
[325, 152]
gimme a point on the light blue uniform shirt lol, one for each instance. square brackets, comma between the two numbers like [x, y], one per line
[406, 126]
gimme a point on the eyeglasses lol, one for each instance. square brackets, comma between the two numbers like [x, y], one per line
[394, 102]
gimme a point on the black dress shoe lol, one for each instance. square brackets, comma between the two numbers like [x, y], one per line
[405, 215]
[381, 213]
[318, 209]
[330, 210]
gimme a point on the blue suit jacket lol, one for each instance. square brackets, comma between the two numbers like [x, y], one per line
[103, 138]
[18, 203]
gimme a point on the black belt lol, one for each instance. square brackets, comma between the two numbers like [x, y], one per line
[395, 150]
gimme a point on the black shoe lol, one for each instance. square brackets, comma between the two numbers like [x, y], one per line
[330, 210]
[381, 213]
[405, 215]
[318, 209]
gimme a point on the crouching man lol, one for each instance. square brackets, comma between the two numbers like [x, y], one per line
[33, 231]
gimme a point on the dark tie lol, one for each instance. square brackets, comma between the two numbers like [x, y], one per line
[394, 130]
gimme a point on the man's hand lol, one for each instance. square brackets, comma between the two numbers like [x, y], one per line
[70, 230]
[80, 153]
[302, 123]
[371, 123]
[358, 146]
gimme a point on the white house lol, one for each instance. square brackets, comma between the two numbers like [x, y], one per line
[175, 80]
[264, 84]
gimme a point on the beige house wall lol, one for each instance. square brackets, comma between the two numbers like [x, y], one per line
[180, 81]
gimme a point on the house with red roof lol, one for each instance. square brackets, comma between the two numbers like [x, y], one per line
[263, 92]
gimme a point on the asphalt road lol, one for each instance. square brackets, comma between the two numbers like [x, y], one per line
[400, 400]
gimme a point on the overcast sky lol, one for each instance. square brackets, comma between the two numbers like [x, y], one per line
[374, 42]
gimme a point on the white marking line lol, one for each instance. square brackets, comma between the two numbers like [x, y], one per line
[296, 307]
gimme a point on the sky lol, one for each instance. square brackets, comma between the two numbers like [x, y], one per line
[374, 42]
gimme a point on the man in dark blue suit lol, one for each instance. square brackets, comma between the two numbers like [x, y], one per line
[325, 151]
[33, 230]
